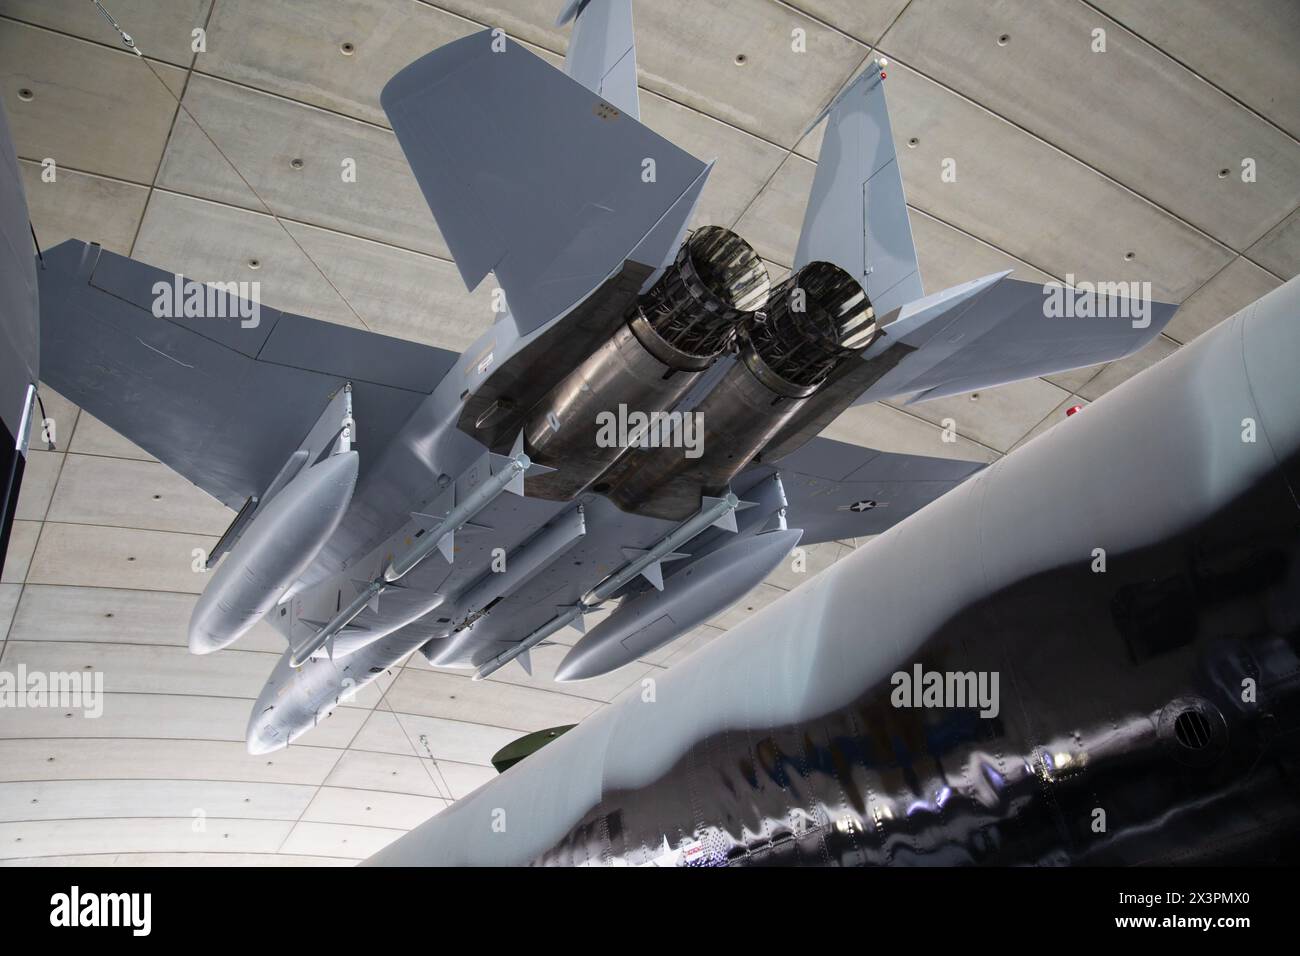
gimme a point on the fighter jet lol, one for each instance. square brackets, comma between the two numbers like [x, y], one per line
[639, 431]
[1087, 654]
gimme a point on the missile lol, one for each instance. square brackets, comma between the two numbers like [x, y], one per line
[273, 552]
[522, 564]
[698, 591]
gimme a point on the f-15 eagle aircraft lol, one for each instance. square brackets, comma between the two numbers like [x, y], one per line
[393, 497]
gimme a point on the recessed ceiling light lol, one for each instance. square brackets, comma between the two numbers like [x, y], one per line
[1130, 256]
[254, 263]
[741, 59]
[1223, 173]
[296, 163]
[26, 95]
[1004, 39]
[912, 142]
[346, 48]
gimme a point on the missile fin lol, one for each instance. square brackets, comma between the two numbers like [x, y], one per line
[654, 573]
[726, 521]
[447, 545]
[526, 662]
[579, 623]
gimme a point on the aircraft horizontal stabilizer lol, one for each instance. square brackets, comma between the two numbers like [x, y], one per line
[997, 330]
[532, 175]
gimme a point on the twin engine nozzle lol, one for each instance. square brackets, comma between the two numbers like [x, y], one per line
[714, 299]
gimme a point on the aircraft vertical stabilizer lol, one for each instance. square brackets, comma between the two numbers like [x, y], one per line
[857, 213]
[602, 51]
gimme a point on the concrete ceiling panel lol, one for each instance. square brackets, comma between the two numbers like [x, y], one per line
[1279, 250]
[1253, 53]
[92, 109]
[395, 292]
[134, 494]
[70, 799]
[371, 808]
[386, 732]
[525, 709]
[111, 615]
[864, 20]
[1128, 111]
[1033, 201]
[22, 542]
[139, 835]
[335, 840]
[691, 56]
[293, 156]
[394, 773]
[38, 484]
[93, 437]
[995, 417]
[81, 206]
[118, 557]
[147, 668]
[1239, 284]
[162, 29]
[296, 47]
[80, 759]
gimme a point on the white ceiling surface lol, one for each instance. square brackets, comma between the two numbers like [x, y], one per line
[1066, 160]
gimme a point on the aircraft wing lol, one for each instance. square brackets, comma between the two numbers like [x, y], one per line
[533, 176]
[221, 404]
[602, 51]
[857, 214]
[836, 490]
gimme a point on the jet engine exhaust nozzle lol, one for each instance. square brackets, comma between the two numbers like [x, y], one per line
[716, 279]
[668, 336]
[814, 319]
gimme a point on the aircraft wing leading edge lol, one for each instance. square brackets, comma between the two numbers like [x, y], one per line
[219, 403]
[530, 174]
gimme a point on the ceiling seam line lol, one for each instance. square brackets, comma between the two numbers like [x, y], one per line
[1204, 79]
[1066, 153]
[171, 131]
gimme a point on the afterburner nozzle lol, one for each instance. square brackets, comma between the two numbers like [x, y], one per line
[814, 318]
[716, 279]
